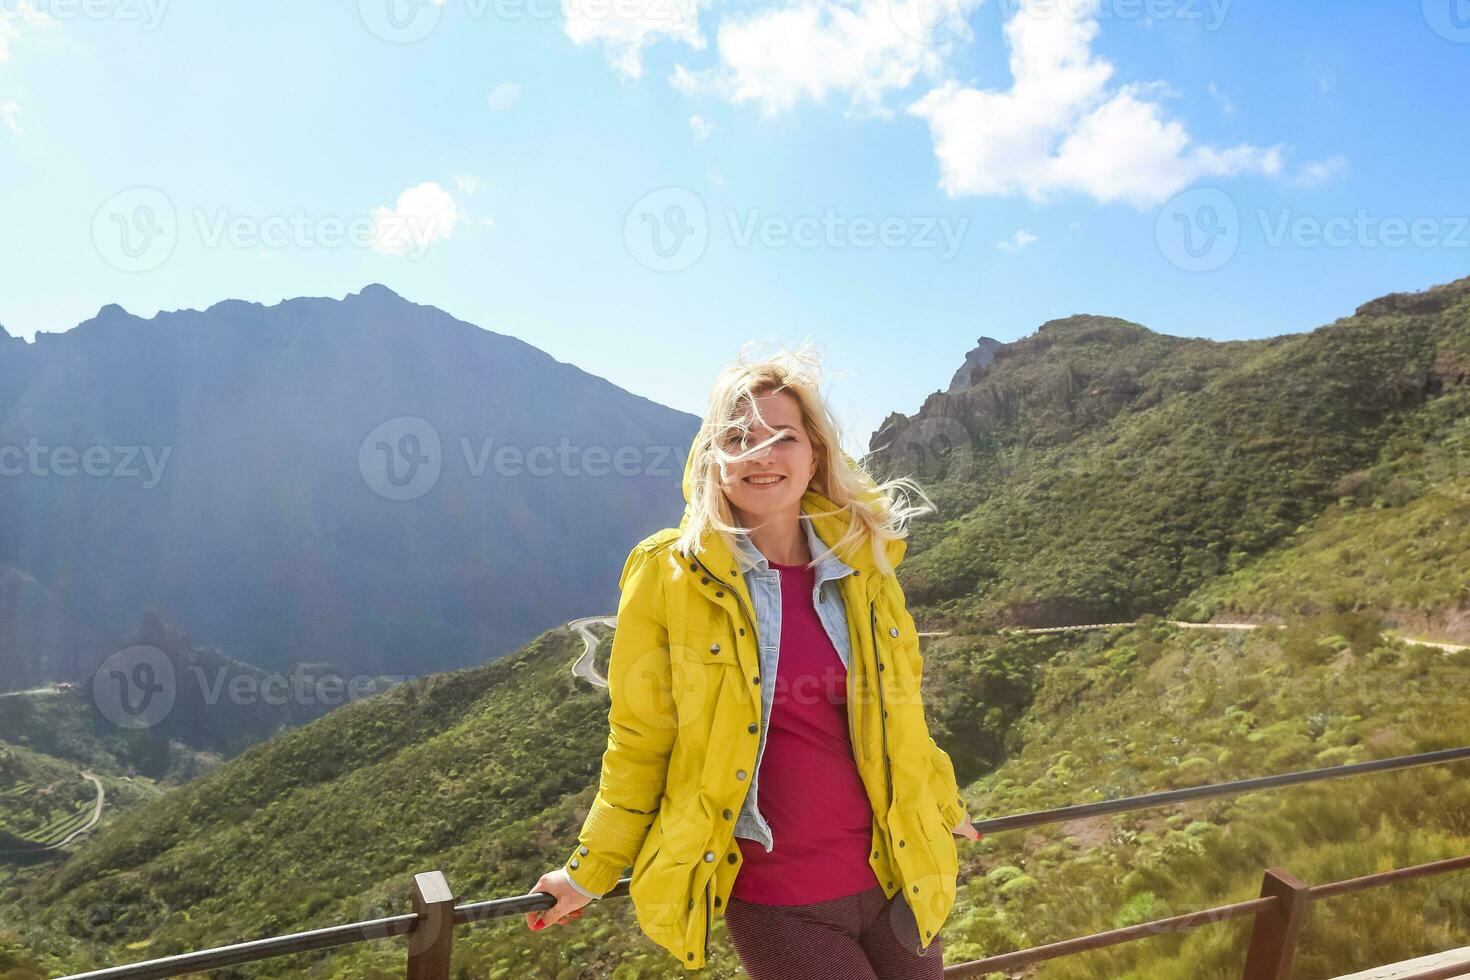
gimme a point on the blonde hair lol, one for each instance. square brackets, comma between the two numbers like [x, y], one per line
[876, 512]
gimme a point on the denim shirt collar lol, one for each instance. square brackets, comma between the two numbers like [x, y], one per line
[827, 565]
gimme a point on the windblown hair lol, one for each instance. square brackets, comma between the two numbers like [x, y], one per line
[876, 512]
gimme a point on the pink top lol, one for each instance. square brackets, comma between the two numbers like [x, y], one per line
[810, 790]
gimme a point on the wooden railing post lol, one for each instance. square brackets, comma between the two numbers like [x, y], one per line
[431, 944]
[1274, 934]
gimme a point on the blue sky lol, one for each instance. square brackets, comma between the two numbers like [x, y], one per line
[638, 186]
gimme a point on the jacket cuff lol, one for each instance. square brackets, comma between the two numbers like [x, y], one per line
[573, 882]
[591, 875]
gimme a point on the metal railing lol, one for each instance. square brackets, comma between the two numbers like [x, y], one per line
[1277, 913]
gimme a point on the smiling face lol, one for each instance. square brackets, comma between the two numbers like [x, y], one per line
[770, 485]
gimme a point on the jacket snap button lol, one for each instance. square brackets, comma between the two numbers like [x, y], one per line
[739, 773]
[708, 856]
[731, 857]
[893, 631]
[726, 814]
[756, 679]
[694, 568]
[916, 888]
[742, 631]
[689, 956]
[719, 593]
[881, 665]
[714, 648]
[857, 571]
[582, 851]
[752, 728]
[717, 901]
[704, 580]
[574, 862]
[900, 843]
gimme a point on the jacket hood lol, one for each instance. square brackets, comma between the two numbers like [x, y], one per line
[829, 527]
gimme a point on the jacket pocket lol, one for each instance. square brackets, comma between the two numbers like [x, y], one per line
[662, 887]
[711, 646]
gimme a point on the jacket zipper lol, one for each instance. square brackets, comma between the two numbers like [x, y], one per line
[733, 591]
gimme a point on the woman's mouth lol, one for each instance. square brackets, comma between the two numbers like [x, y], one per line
[763, 481]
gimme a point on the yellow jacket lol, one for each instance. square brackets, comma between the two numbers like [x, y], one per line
[684, 729]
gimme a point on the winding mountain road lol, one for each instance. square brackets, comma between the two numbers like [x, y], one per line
[96, 813]
[583, 666]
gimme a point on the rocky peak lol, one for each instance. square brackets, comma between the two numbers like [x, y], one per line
[976, 361]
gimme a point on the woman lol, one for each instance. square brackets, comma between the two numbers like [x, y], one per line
[768, 758]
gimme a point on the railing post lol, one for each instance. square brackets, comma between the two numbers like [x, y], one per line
[431, 943]
[1274, 934]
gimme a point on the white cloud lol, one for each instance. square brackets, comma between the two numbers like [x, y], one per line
[424, 214]
[469, 185]
[1018, 241]
[503, 96]
[9, 115]
[813, 49]
[1061, 128]
[626, 27]
[1319, 172]
[703, 129]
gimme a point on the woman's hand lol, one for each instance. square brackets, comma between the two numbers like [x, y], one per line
[568, 905]
[967, 829]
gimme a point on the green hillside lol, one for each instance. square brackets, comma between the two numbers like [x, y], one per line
[1097, 471]
[1316, 480]
[1151, 707]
